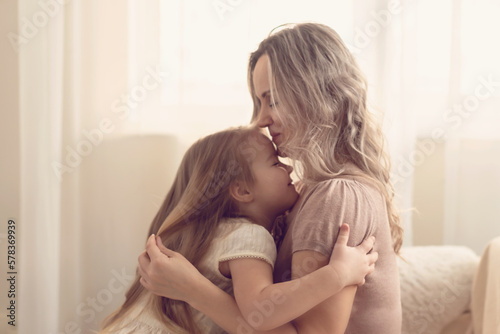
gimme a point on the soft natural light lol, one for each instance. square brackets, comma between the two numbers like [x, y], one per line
[205, 46]
[103, 98]
[480, 43]
[434, 34]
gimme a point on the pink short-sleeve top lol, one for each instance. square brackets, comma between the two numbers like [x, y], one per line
[313, 225]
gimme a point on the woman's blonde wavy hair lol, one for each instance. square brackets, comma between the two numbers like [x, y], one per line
[188, 218]
[321, 94]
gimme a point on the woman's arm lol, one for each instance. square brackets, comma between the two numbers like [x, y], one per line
[252, 279]
[185, 282]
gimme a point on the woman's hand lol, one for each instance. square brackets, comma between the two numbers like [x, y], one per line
[167, 273]
[352, 264]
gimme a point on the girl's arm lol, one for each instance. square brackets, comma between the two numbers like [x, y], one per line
[265, 305]
[332, 315]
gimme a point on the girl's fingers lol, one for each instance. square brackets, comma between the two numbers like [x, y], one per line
[367, 244]
[343, 235]
[372, 258]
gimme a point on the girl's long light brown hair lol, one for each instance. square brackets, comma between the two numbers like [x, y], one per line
[188, 218]
[322, 95]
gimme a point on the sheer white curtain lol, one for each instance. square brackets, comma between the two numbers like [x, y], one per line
[456, 158]
[112, 92]
[384, 43]
[433, 69]
[42, 79]
[86, 194]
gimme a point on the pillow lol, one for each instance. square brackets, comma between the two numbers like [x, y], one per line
[436, 283]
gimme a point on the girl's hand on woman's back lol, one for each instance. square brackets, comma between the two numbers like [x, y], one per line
[352, 264]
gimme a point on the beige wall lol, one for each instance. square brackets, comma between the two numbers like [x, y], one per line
[429, 197]
[9, 142]
[9, 125]
[456, 194]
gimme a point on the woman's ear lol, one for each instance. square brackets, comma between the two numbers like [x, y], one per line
[240, 191]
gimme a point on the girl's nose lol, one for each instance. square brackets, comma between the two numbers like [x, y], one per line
[289, 169]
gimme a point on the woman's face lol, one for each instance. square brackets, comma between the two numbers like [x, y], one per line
[267, 116]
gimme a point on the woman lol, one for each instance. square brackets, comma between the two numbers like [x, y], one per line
[310, 94]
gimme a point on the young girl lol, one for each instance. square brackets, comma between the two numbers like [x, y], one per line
[309, 92]
[228, 191]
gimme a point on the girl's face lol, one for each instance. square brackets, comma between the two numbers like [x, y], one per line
[268, 113]
[273, 189]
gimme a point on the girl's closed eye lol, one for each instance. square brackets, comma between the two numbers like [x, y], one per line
[277, 162]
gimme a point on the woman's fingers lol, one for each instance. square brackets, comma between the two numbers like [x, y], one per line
[163, 249]
[144, 262]
[151, 247]
[144, 282]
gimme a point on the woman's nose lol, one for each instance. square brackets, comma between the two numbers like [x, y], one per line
[264, 119]
[289, 169]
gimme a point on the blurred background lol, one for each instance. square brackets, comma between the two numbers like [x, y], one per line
[100, 99]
